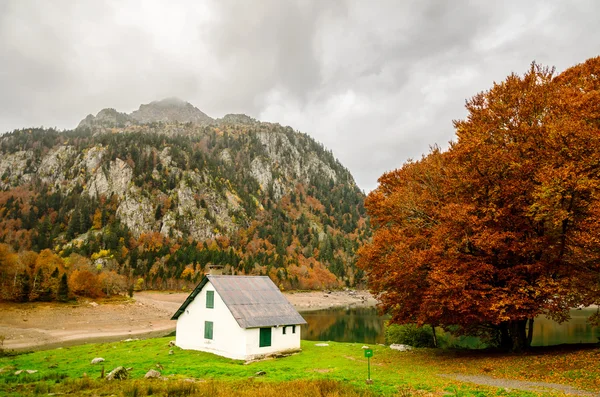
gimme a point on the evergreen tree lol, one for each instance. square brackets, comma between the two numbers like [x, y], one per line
[63, 289]
[24, 287]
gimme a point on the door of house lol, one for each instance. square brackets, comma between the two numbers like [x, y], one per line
[265, 337]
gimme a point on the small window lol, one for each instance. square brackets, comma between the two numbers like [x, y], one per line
[265, 337]
[208, 330]
[284, 329]
[210, 299]
[293, 329]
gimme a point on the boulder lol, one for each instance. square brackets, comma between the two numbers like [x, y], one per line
[152, 374]
[401, 348]
[97, 360]
[119, 373]
[19, 372]
[31, 371]
[172, 343]
[260, 373]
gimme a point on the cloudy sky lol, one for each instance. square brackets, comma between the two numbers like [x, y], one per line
[377, 82]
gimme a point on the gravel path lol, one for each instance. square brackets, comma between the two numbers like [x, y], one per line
[519, 384]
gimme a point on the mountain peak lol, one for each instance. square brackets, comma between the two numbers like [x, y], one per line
[170, 102]
[167, 110]
[170, 109]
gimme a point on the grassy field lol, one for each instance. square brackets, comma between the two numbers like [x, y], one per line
[336, 370]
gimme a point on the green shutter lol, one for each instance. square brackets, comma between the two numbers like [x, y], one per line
[208, 330]
[210, 299]
[265, 337]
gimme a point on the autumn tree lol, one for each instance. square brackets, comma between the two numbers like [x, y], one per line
[504, 225]
[84, 282]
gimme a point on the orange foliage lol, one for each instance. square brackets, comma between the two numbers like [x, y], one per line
[152, 241]
[84, 282]
[97, 220]
[503, 226]
[311, 274]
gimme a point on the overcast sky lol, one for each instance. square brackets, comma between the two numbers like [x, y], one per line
[377, 82]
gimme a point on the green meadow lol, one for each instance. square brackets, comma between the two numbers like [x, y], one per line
[339, 369]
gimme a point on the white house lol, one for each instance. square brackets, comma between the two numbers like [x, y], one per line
[240, 317]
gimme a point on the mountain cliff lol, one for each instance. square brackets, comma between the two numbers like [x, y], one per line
[157, 195]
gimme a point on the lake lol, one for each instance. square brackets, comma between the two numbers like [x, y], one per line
[363, 325]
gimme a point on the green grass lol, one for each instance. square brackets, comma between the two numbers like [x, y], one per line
[339, 369]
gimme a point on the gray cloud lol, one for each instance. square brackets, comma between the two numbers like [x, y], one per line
[376, 82]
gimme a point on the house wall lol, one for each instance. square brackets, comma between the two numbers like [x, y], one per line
[279, 342]
[229, 340]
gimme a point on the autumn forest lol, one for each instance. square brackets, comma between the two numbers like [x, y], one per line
[120, 206]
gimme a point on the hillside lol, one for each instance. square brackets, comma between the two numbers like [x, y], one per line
[149, 199]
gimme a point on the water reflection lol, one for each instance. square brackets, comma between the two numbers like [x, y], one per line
[363, 325]
[577, 330]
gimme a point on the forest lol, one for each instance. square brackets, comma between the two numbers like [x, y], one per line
[60, 239]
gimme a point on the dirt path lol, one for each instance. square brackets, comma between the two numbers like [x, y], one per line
[48, 325]
[538, 387]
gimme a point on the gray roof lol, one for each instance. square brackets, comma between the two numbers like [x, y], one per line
[254, 301]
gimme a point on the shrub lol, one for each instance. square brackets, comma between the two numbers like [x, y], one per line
[409, 334]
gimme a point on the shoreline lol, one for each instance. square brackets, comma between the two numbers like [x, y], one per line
[43, 326]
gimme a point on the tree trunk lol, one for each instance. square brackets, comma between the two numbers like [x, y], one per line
[518, 335]
[514, 336]
[435, 342]
[505, 341]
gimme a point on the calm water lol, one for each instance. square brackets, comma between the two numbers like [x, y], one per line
[363, 325]
[344, 325]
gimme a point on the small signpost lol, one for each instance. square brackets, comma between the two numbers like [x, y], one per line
[368, 355]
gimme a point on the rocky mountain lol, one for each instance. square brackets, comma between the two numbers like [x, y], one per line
[159, 194]
[168, 110]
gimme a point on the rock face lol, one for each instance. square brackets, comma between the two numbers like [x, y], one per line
[115, 181]
[57, 164]
[169, 110]
[16, 168]
[136, 211]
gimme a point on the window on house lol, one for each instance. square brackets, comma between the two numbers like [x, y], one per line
[293, 329]
[208, 330]
[265, 337]
[284, 329]
[210, 299]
